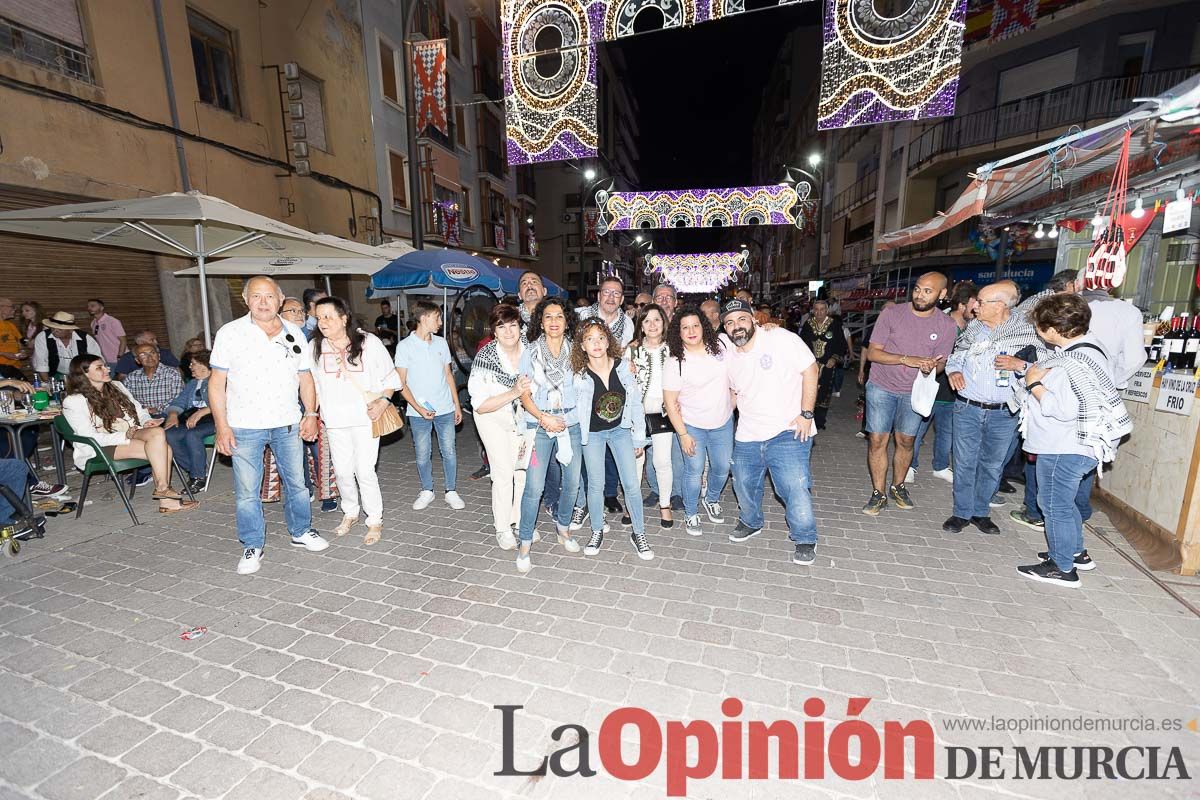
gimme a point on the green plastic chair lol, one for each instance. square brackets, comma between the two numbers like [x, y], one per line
[101, 463]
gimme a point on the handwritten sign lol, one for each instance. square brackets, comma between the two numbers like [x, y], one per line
[1176, 394]
[1177, 216]
[1140, 385]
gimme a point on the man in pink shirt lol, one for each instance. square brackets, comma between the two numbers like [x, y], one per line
[774, 376]
[108, 332]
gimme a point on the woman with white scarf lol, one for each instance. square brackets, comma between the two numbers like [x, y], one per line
[1073, 418]
[551, 422]
[495, 387]
[647, 355]
[355, 380]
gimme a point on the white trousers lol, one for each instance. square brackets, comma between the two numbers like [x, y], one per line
[502, 443]
[354, 452]
[661, 450]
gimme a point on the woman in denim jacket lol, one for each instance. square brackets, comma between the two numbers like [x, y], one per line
[551, 421]
[608, 402]
[189, 421]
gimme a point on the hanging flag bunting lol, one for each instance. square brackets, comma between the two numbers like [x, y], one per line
[448, 222]
[700, 208]
[1011, 17]
[1074, 225]
[877, 69]
[429, 85]
[591, 219]
[501, 242]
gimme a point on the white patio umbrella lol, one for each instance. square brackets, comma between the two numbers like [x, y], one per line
[299, 266]
[193, 224]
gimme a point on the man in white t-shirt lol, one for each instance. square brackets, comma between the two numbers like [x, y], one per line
[774, 376]
[261, 374]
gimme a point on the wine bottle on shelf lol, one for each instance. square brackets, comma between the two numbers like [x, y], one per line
[1191, 344]
[1173, 344]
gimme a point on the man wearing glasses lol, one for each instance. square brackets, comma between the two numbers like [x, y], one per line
[666, 298]
[609, 301]
[261, 377]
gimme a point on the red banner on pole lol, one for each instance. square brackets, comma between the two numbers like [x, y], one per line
[429, 85]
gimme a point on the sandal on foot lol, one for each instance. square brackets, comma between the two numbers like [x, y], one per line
[184, 505]
[166, 494]
[374, 534]
[347, 523]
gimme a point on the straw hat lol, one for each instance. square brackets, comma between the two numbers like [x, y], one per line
[62, 320]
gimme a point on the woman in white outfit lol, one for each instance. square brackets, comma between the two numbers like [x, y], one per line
[355, 380]
[647, 355]
[496, 386]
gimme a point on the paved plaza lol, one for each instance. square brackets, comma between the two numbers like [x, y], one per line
[373, 672]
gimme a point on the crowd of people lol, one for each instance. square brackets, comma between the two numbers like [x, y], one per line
[577, 407]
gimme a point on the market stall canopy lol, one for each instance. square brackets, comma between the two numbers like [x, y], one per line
[446, 269]
[299, 266]
[194, 225]
[1013, 187]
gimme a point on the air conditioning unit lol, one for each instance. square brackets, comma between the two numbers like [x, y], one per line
[299, 131]
[572, 258]
[300, 149]
[303, 167]
[568, 217]
[291, 71]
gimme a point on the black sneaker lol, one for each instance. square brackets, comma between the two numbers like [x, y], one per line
[578, 516]
[482, 472]
[329, 506]
[638, 540]
[1047, 572]
[692, 525]
[899, 495]
[876, 504]
[714, 512]
[626, 519]
[955, 524]
[805, 554]
[44, 489]
[593, 545]
[1021, 517]
[611, 505]
[1007, 488]
[985, 525]
[197, 485]
[1082, 560]
[742, 532]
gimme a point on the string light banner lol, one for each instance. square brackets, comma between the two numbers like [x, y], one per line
[700, 208]
[698, 272]
[878, 69]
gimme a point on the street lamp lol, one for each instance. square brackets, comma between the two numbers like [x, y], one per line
[814, 159]
[590, 176]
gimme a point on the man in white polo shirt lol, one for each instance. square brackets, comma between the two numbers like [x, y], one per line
[774, 376]
[261, 364]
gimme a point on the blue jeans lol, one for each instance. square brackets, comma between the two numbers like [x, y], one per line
[943, 431]
[618, 441]
[787, 459]
[1083, 500]
[422, 436]
[676, 470]
[544, 449]
[888, 411]
[553, 485]
[1060, 478]
[715, 445]
[610, 481]
[15, 474]
[982, 438]
[187, 445]
[288, 449]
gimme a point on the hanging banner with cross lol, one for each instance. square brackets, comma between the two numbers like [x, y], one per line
[590, 220]
[1012, 17]
[429, 85]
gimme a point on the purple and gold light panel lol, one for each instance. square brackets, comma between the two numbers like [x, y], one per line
[698, 272]
[884, 69]
[697, 208]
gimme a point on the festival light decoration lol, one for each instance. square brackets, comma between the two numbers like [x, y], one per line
[698, 272]
[700, 208]
[883, 69]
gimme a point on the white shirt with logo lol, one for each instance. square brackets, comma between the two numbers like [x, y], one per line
[262, 387]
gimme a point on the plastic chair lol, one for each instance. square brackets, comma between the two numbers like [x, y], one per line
[210, 441]
[101, 463]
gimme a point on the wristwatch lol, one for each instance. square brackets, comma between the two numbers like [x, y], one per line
[806, 414]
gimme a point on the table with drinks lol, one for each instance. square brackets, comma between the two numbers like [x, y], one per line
[21, 410]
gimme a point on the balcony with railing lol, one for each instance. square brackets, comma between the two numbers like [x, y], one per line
[1041, 116]
[492, 160]
[861, 191]
[526, 183]
[487, 81]
[26, 44]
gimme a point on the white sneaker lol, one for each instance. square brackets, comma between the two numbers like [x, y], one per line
[911, 477]
[454, 501]
[946, 474]
[506, 540]
[837, 394]
[311, 541]
[251, 559]
[423, 500]
[523, 563]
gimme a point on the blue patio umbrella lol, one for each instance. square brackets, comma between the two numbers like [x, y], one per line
[447, 269]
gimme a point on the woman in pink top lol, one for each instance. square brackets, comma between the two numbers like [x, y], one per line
[699, 403]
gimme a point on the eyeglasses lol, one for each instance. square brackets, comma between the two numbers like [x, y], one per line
[641, 305]
[292, 311]
[294, 349]
[985, 302]
[611, 293]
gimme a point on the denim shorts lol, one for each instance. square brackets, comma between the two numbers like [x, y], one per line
[889, 411]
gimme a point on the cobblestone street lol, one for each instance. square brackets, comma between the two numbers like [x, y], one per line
[372, 672]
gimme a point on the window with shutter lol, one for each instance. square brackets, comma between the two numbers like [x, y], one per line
[215, 62]
[58, 19]
[399, 180]
[312, 96]
[387, 70]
